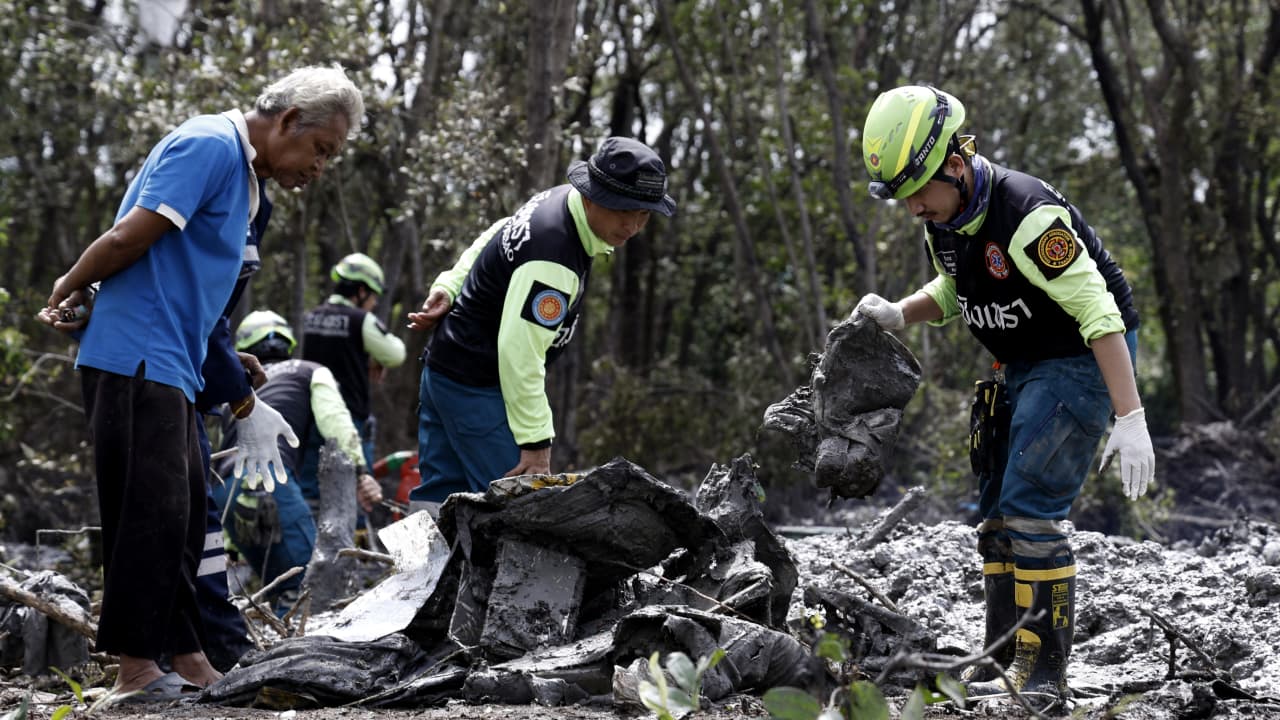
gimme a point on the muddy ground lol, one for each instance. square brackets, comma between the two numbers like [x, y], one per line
[1213, 579]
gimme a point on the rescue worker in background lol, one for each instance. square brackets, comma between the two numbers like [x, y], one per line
[345, 336]
[507, 308]
[275, 531]
[188, 210]
[1019, 265]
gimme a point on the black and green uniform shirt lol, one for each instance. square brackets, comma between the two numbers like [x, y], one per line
[1029, 276]
[516, 293]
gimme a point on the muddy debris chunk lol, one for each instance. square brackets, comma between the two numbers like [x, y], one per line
[533, 600]
[31, 640]
[844, 424]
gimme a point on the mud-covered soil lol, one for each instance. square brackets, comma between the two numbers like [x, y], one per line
[1213, 576]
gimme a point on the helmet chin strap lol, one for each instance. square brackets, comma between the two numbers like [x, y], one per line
[961, 187]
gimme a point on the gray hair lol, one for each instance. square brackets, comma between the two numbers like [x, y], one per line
[319, 93]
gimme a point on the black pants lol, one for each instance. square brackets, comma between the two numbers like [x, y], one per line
[151, 499]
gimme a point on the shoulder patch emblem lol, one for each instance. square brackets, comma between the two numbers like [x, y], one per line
[997, 264]
[545, 305]
[1055, 250]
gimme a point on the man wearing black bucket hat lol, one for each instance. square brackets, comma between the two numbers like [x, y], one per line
[508, 307]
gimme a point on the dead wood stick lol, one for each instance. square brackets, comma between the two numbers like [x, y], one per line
[297, 604]
[81, 623]
[870, 588]
[281, 578]
[1173, 632]
[889, 520]
[362, 554]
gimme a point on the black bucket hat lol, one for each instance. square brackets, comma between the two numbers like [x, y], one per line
[625, 174]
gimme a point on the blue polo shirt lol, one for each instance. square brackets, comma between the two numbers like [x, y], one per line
[161, 309]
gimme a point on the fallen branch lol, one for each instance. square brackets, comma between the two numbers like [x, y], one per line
[81, 624]
[280, 579]
[889, 520]
[1173, 635]
[982, 658]
[305, 597]
[362, 554]
[870, 588]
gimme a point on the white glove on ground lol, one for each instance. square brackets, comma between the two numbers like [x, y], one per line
[258, 454]
[1132, 443]
[887, 315]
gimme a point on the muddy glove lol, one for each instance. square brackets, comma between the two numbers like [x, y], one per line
[258, 454]
[887, 315]
[1132, 443]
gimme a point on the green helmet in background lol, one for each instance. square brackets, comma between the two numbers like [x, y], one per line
[906, 138]
[258, 326]
[358, 267]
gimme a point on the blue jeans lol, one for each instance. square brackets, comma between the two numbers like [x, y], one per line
[297, 529]
[1060, 411]
[464, 441]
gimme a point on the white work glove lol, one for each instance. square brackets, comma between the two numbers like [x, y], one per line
[887, 315]
[1131, 441]
[258, 455]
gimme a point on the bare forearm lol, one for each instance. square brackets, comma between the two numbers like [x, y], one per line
[919, 307]
[1112, 354]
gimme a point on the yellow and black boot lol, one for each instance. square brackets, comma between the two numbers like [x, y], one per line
[997, 590]
[1043, 646]
[997, 587]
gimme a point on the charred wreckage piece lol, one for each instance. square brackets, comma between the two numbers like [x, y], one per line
[556, 590]
[844, 423]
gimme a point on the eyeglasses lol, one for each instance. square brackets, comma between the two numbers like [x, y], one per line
[915, 168]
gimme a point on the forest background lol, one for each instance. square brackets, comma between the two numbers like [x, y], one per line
[1155, 118]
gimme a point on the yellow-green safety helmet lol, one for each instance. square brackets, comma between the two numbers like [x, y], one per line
[358, 267]
[260, 324]
[906, 136]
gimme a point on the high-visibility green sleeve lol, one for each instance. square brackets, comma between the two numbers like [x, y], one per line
[333, 420]
[1079, 287]
[381, 345]
[451, 280]
[522, 350]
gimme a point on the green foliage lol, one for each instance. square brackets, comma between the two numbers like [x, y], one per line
[672, 703]
[20, 712]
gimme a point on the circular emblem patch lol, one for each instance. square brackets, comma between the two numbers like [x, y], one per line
[549, 307]
[997, 265]
[1056, 248]
[874, 159]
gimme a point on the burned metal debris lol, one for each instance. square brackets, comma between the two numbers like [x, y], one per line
[555, 586]
[844, 423]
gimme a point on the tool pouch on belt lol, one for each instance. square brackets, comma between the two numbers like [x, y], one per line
[257, 518]
[988, 426]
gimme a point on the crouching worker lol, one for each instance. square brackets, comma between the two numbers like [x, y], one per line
[272, 527]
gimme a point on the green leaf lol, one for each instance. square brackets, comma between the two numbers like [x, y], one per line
[654, 699]
[952, 688]
[61, 712]
[75, 686]
[788, 703]
[659, 678]
[832, 647]
[19, 713]
[679, 702]
[682, 670]
[914, 709]
[706, 663]
[866, 702]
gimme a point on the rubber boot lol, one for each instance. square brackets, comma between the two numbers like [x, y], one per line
[997, 588]
[1043, 646]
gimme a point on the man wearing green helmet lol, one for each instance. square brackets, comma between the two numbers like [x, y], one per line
[273, 528]
[1031, 279]
[345, 336]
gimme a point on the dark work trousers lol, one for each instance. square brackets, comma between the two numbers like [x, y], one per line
[151, 497]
